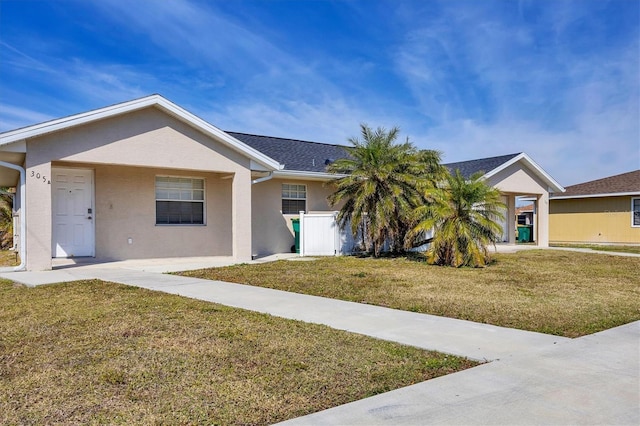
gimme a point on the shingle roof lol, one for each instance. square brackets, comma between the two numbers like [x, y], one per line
[294, 154]
[618, 184]
[485, 165]
[312, 156]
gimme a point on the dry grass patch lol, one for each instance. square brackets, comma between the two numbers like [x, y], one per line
[9, 258]
[91, 352]
[557, 292]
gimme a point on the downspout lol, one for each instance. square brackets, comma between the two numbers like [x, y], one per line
[263, 179]
[23, 215]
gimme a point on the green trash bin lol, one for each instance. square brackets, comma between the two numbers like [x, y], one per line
[296, 231]
[524, 233]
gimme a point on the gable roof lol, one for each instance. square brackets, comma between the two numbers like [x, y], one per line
[493, 165]
[258, 159]
[617, 185]
[294, 154]
[309, 159]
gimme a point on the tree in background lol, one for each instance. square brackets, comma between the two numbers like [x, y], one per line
[462, 213]
[383, 184]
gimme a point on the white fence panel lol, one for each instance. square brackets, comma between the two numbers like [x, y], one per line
[319, 234]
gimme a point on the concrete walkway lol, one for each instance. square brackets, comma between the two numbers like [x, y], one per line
[533, 378]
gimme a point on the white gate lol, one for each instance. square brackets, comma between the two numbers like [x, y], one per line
[319, 234]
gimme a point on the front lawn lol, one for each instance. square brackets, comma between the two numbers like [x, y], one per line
[549, 291]
[92, 352]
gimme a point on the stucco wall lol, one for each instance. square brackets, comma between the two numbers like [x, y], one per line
[148, 138]
[125, 208]
[272, 230]
[127, 152]
[38, 220]
[593, 220]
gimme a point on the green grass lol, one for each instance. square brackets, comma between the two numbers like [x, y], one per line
[616, 248]
[91, 352]
[549, 291]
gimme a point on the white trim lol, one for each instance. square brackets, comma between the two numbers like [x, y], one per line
[295, 174]
[632, 212]
[611, 194]
[262, 179]
[282, 198]
[203, 201]
[551, 182]
[137, 104]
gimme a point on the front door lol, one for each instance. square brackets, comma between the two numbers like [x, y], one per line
[73, 213]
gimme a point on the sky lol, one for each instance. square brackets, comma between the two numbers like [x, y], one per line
[557, 79]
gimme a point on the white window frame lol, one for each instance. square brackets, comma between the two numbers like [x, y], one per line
[290, 190]
[634, 200]
[190, 199]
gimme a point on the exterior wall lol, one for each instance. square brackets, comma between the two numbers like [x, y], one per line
[272, 230]
[519, 180]
[146, 138]
[127, 152]
[38, 220]
[511, 219]
[541, 220]
[242, 214]
[593, 220]
[125, 208]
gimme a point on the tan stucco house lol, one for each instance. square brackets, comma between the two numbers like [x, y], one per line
[599, 211]
[148, 179]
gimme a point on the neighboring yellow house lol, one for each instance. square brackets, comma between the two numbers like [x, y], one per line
[600, 211]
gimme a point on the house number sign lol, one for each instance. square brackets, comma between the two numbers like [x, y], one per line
[39, 176]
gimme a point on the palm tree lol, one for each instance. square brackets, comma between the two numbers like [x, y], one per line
[462, 214]
[383, 183]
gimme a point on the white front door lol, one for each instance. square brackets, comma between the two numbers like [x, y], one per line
[73, 213]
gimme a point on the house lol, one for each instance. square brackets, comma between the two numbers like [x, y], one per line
[524, 215]
[148, 179]
[599, 211]
[516, 176]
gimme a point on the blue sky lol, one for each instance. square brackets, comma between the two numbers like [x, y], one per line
[557, 79]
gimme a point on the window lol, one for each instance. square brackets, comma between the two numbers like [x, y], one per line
[635, 212]
[179, 201]
[294, 198]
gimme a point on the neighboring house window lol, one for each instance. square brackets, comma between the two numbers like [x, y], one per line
[635, 212]
[179, 201]
[294, 198]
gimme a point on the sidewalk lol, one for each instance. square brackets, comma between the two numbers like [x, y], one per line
[592, 380]
[533, 378]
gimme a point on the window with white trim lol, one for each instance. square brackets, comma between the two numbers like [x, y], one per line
[294, 198]
[179, 201]
[635, 212]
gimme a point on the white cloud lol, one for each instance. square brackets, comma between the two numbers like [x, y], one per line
[573, 109]
[13, 117]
